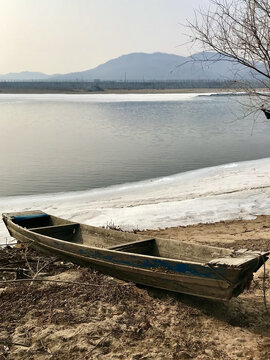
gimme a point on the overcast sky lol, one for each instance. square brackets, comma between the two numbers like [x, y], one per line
[60, 36]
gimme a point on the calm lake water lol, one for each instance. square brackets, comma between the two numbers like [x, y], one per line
[60, 143]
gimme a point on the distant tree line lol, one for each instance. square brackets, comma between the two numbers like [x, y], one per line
[96, 86]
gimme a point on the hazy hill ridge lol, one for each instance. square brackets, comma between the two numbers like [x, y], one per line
[143, 67]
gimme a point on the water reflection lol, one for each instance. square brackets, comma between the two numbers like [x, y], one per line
[51, 146]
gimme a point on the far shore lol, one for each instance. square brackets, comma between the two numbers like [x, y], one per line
[120, 91]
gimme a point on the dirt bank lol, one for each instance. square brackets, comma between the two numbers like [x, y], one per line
[92, 316]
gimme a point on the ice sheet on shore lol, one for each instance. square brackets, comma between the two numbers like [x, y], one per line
[102, 98]
[232, 191]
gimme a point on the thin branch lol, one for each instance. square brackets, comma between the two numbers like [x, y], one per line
[239, 31]
[60, 281]
[9, 343]
[99, 342]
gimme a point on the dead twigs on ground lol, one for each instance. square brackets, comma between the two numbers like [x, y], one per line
[10, 343]
[60, 282]
[99, 342]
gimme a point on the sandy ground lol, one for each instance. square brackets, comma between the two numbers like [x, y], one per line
[103, 318]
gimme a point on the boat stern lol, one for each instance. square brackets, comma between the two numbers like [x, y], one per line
[244, 263]
[26, 219]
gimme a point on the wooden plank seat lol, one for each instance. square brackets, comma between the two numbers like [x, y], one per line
[63, 232]
[147, 247]
[61, 226]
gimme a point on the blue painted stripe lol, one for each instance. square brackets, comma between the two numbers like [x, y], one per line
[28, 217]
[163, 265]
[147, 263]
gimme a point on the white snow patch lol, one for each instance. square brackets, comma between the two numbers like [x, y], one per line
[231, 191]
[100, 98]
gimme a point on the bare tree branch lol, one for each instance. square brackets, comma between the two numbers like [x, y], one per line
[239, 31]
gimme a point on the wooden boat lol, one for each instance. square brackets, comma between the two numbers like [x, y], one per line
[199, 270]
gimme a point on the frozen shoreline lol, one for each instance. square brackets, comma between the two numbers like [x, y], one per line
[233, 191]
[108, 97]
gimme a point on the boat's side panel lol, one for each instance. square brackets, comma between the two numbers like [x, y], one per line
[167, 248]
[104, 238]
[124, 258]
[193, 279]
[177, 249]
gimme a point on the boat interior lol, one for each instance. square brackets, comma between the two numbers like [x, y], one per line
[57, 228]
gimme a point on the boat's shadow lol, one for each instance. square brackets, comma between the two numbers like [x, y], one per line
[246, 311]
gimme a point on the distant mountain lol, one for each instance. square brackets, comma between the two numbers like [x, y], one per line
[159, 66]
[25, 76]
[143, 66]
[135, 66]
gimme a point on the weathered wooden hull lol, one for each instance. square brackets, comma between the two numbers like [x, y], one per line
[189, 277]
